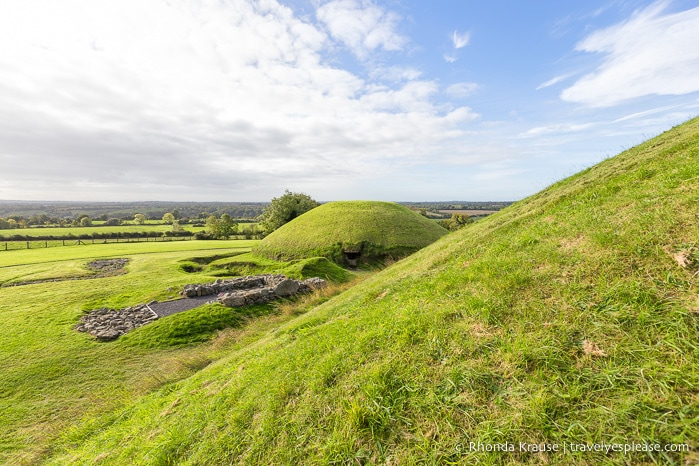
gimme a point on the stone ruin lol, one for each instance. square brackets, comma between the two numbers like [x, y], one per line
[109, 324]
[258, 289]
[106, 267]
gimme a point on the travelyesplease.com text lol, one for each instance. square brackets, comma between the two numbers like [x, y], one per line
[571, 447]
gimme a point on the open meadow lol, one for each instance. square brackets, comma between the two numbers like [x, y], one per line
[54, 377]
[78, 231]
[47, 237]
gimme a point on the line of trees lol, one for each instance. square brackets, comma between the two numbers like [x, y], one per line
[89, 236]
[279, 211]
[456, 222]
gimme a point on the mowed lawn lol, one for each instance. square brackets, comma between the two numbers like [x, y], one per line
[52, 376]
[126, 228]
[77, 231]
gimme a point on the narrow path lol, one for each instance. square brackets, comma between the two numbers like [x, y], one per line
[167, 308]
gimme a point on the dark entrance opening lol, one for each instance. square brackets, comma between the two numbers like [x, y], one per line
[352, 257]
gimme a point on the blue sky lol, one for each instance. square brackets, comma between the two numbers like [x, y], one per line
[341, 99]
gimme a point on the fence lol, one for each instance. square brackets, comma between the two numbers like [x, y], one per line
[41, 244]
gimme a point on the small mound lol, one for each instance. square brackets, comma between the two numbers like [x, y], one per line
[317, 267]
[107, 267]
[352, 232]
[191, 327]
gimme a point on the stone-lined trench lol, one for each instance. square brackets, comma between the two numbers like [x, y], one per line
[109, 324]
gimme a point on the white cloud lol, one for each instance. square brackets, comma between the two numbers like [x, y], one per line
[450, 58]
[558, 128]
[460, 40]
[361, 26]
[462, 90]
[204, 100]
[652, 53]
[553, 81]
[652, 111]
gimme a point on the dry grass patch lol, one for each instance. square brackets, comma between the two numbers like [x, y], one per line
[590, 348]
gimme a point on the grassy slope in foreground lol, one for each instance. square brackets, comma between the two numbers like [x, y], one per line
[560, 319]
[385, 228]
[52, 376]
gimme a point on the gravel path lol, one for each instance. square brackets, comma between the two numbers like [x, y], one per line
[179, 305]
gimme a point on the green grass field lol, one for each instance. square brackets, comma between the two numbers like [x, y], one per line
[565, 318]
[571, 317]
[54, 378]
[37, 256]
[150, 226]
[76, 231]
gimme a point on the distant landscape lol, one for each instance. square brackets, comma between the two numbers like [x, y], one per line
[55, 211]
[27, 224]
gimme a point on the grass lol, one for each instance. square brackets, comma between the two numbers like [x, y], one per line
[195, 326]
[90, 251]
[564, 318]
[149, 226]
[77, 231]
[54, 378]
[63, 270]
[377, 229]
[71, 262]
[53, 375]
[204, 323]
[250, 264]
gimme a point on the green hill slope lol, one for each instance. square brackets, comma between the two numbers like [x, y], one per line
[568, 318]
[375, 230]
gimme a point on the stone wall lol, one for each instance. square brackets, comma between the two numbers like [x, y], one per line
[108, 324]
[247, 283]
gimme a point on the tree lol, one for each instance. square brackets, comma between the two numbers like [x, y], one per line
[112, 222]
[286, 208]
[456, 222]
[168, 218]
[85, 222]
[139, 219]
[251, 232]
[221, 228]
[176, 227]
[4, 224]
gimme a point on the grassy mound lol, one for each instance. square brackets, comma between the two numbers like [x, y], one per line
[569, 319]
[238, 265]
[316, 267]
[193, 326]
[375, 230]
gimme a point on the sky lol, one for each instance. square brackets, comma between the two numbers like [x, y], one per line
[397, 100]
